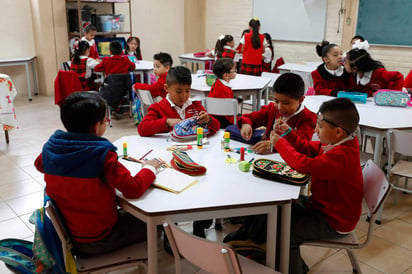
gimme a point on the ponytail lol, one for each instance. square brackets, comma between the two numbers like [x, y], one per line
[255, 24]
[80, 47]
[222, 40]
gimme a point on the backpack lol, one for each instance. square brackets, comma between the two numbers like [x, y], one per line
[18, 256]
[136, 113]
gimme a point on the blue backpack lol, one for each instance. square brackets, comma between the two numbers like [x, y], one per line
[18, 256]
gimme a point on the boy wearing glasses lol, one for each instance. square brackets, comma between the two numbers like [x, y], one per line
[334, 208]
[82, 172]
[225, 70]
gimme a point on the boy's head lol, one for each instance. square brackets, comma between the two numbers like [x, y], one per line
[289, 90]
[225, 69]
[84, 112]
[116, 47]
[337, 119]
[178, 82]
[162, 63]
[90, 32]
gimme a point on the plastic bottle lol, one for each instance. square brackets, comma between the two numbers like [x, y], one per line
[199, 137]
[226, 138]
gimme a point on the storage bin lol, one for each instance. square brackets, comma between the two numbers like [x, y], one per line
[104, 22]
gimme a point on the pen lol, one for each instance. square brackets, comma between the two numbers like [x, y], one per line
[251, 160]
[141, 158]
[131, 159]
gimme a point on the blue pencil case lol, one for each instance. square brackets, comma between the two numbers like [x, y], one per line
[356, 97]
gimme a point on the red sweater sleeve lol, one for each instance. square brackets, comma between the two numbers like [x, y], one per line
[38, 163]
[120, 178]
[319, 84]
[395, 80]
[156, 89]
[408, 80]
[256, 118]
[153, 122]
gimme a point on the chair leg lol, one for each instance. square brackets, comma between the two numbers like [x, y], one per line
[355, 264]
[6, 135]
[109, 115]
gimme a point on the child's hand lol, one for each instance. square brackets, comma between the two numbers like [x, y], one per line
[170, 122]
[246, 132]
[99, 60]
[153, 162]
[274, 137]
[262, 147]
[204, 118]
[281, 126]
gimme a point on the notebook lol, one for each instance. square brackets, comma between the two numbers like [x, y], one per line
[174, 181]
[132, 58]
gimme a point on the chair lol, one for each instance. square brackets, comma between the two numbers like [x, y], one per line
[211, 257]
[146, 100]
[222, 106]
[126, 257]
[376, 188]
[66, 83]
[278, 63]
[399, 141]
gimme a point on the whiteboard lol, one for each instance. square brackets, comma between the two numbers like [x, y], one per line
[292, 20]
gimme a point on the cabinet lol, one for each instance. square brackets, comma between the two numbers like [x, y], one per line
[99, 13]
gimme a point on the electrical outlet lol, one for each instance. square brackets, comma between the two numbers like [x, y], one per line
[348, 21]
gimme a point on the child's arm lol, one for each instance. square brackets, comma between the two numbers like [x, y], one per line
[100, 67]
[38, 163]
[153, 122]
[155, 88]
[394, 80]
[319, 84]
[256, 118]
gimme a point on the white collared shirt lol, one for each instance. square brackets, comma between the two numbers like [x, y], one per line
[329, 147]
[180, 110]
[226, 83]
[90, 64]
[336, 72]
[285, 119]
[365, 79]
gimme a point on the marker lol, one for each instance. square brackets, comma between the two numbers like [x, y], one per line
[251, 160]
[242, 154]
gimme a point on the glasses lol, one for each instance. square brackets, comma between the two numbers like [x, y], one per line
[322, 118]
[233, 71]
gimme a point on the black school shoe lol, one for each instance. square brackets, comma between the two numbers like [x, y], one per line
[166, 244]
[240, 234]
[200, 226]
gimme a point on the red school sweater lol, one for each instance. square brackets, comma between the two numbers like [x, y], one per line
[157, 88]
[115, 64]
[251, 55]
[303, 124]
[155, 120]
[220, 90]
[336, 183]
[325, 83]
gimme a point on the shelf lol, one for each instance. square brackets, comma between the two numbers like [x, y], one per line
[102, 33]
[91, 1]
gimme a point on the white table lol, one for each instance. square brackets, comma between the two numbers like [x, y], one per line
[374, 120]
[303, 69]
[144, 68]
[26, 61]
[242, 85]
[190, 58]
[223, 192]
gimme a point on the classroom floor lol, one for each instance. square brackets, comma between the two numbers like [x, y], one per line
[21, 190]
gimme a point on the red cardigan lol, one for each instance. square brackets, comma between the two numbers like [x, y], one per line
[88, 204]
[408, 80]
[251, 55]
[155, 120]
[157, 88]
[336, 184]
[325, 83]
[303, 124]
[380, 79]
[115, 64]
[219, 90]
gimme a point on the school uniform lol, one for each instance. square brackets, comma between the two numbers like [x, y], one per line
[134, 54]
[94, 53]
[115, 64]
[155, 120]
[84, 71]
[157, 88]
[222, 89]
[374, 80]
[302, 122]
[228, 52]
[267, 60]
[252, 58]
[408, 80]
[330, 82]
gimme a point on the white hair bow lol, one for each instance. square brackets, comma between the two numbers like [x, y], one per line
[221, 37]
[360, 45]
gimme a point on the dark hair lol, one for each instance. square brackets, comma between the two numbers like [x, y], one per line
[290, 84]
[269, 41]
[164, 58]
[255, 24]
[362, 60]
[82, 110]
[342, 112]
[89, 27]
[323, 49]
[80, 48]
[116, 47]
[138, 51]
[222, 65]
[358, 37]
[245, 31]
[221, 43]
[179, 75]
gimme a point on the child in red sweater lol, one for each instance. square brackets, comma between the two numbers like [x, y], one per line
[330, 77]
[89, 34]
[177, 106]
[162, 64]
[225, 70]
[82, 172]
[300, 122]
[335, 206]
[117, 63]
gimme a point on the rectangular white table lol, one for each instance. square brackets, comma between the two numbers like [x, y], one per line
[26, 61]
[223, 191]
[144, 68]
[190, 58]
[302, 69]
[374, 120]
[242, 85]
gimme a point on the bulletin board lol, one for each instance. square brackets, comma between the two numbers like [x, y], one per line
[292, 20]
[385, 22]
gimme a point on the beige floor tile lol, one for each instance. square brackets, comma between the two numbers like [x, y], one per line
[19, 188]
[13, 175]
[14, 228]
[396, 231]
[26, 204]
[5, 212]
[408, 271]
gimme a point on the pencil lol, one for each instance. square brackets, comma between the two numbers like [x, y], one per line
[141, 158]
[164, 162]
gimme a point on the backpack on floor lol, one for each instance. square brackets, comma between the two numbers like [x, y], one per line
[136, 110]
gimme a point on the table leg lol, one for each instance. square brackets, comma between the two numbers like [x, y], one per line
[378, 149]
[36, 84]
[285, 237]
[6, 135]
[152, 246]
[271, 237]
[149, 81]
[26, 65]
[258, 99]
